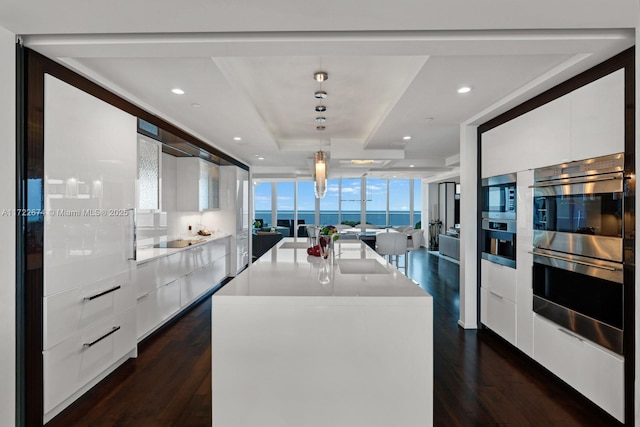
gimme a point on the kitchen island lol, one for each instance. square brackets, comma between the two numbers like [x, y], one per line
[302, 341]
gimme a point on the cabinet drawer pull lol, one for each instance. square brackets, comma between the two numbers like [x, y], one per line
[570, 334]
[108, 291]
[97, 340]
[496, 294]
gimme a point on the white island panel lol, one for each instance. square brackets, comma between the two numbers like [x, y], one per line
[297, 342]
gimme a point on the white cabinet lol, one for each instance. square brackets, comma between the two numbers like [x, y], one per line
[551, 129]
[79, 360]
[499, 279]
[157, 306]
[167, 284]
[507, 148]
[499, 314]
[89, 195]
[597, 117]
[198, 185]
[497, 299]
[592, 370]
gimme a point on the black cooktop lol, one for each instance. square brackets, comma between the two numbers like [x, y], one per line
[174, 244]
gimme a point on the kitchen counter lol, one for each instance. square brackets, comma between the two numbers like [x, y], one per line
[298, 340]
[151, 253]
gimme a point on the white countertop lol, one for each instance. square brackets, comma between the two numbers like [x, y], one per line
[151, 253]
[287, 271]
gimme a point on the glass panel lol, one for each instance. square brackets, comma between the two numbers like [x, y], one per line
[598, 214]
[148, 174]
[203, 187]
[306, 203]
[350, 200]
[262, 202]
[329, 205]
[377, 201]
[284, 206]
[399, 202]
[417, 201]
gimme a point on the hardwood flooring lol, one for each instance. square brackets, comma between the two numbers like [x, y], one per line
[479, 379]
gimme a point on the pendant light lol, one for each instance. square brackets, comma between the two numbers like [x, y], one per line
[320, 168]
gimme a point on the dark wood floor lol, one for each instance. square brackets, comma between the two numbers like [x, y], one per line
[479, 380]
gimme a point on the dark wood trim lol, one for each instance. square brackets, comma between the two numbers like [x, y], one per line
[615, 63]
[21, 391]
[628, 338]
[32, 239]
[624, 60]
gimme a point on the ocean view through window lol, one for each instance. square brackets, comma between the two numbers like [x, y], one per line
[384, 202]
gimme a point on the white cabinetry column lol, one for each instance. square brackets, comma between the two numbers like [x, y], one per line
[468, 227]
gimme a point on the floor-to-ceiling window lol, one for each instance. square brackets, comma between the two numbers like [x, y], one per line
[330, 204]
[386, 202]
[262, 202]
[417, 201]
[400, 202]
[285, 203]
[376, 202]
[350, 200]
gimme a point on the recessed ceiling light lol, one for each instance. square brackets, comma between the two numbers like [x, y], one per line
[196, 105]
[237, 138]
[320, 94]
[177, 91]
[321, 127]
[361, 162]
[321, 119]
[464, 89]
[412, 166]
[320, 76]
[257, 155]
[321, 108]
[406, 137]
[260, 158]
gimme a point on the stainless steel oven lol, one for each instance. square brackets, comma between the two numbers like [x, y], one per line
[499, 241]
[578, 228]
[584, 295]
[578, 207]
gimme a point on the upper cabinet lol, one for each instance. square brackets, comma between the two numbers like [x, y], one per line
[198, 185]
[149, 172]
[597, 118]
[585, 123]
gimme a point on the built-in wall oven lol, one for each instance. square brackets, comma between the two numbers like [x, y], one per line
[498, 238]
[578, 221]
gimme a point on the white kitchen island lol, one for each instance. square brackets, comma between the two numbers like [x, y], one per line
[298, 342]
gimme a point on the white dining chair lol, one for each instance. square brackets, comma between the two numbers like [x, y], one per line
[392, 245]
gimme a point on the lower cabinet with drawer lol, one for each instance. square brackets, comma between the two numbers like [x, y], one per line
[497, 299]
[166, 285]
[78, 362]
[594, 371]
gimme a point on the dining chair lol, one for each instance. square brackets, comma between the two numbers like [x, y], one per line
[392, 245]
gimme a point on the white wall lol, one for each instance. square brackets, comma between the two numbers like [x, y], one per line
[468, 227]
[7, 228]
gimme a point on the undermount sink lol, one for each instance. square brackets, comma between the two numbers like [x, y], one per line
[294, 245]
[361, 266]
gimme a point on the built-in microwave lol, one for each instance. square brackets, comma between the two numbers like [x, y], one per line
[499, 197]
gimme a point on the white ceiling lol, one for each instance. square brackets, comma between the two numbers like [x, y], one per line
[394, 67]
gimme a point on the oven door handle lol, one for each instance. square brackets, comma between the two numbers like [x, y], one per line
[575, 181]
[589, 264]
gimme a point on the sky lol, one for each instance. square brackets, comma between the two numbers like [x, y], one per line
[351, 188]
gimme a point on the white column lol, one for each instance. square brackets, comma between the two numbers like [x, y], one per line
[468, 227]
[7, 227]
